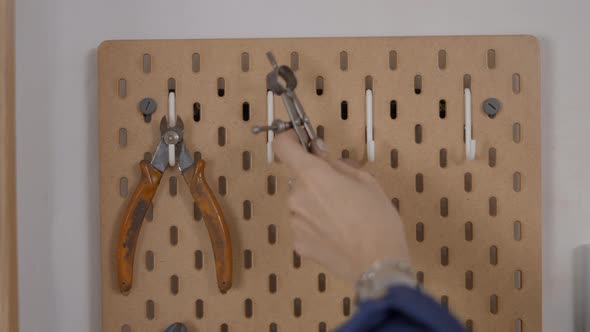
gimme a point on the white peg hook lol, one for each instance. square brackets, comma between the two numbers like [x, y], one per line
[469, 142]
[369, 116]
[270, 114]
[171, 123]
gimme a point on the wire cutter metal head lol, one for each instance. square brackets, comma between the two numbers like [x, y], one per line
[172, 136]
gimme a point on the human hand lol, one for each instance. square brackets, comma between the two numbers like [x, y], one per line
[341, 218]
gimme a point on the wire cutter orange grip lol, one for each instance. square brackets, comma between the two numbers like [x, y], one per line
[193, 174]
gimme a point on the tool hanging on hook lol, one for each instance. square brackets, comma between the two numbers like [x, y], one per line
[282, 82]
[193, 173]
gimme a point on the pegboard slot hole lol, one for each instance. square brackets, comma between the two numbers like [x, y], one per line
[419, 232]
[494, 304]
[469, 325]
[321, 282]
[319, 85]
[197, 112]
[173, 186]
[245, 111]
[273, 327]
[196, 62]
[271, 185]
[344, 110]
[392, 60]
[442, 59]
[444, 302]
[297, 307]
[221, 87]
[492, 157]
[199, 308]
[468, 182]
[491, 59]
[272, 283]
[248, 308]
[171, 85]
[222, 181]
[442, 158]
[418, 134]
[393, 158]
[294, 61]
[420, 278]
[419, 183]
[247, 259]
[272, 234]
[444, 207]
[418, 84]
[224, 328]
[466, 81]
[395, 202]
[469, 280]
[368, 82]
[173, 235]
[343, 61]
[125, 328]
[517, 231]
[149, 260]
[247, 207]
[516, 132]
[122, 88]
[320, 132]
[516, 181]
[393, 109]
[123, 187]
[245, 61]
[493, 206]
[221, 138]
[198, 259]
[518, 325]
[150, 309]
[246, 160]
[345, 154]
[516, 84]
[442, 108]
[122, 137]
[147, 63]
[174, 285]
[296, 260]
[469, 231]
[494, 255]
[346, 306]
[518, 279]
[444, 256]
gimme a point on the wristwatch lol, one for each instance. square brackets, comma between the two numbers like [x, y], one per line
[383, 275]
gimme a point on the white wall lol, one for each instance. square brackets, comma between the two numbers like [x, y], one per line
[57, 120]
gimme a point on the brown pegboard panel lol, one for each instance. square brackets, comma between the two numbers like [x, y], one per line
[474, 227]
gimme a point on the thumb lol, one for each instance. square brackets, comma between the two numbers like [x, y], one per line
[290, 151]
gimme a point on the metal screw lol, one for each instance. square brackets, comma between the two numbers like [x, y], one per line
[147, 107]
[491, 107]
[171, 137]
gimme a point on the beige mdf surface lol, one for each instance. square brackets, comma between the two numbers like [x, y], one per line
[8, 265]
[474, 227]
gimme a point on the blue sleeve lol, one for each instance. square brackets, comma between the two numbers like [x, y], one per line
[403, 309]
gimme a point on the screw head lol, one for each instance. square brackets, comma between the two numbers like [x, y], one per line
[171, 137]
[491, 107]
[147, 106]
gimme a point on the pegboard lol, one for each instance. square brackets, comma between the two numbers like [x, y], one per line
[474, 227]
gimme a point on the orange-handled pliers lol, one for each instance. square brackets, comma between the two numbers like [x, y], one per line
[151, 174]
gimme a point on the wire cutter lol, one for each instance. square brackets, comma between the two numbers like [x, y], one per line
[193, 174]
[282, 82]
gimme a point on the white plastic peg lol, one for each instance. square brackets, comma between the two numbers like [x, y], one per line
[171, 123]
[469, 142]
[369, 115]
[270, 114]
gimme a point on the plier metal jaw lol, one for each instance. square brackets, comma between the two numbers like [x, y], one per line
[282, 82]
[140, 201]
